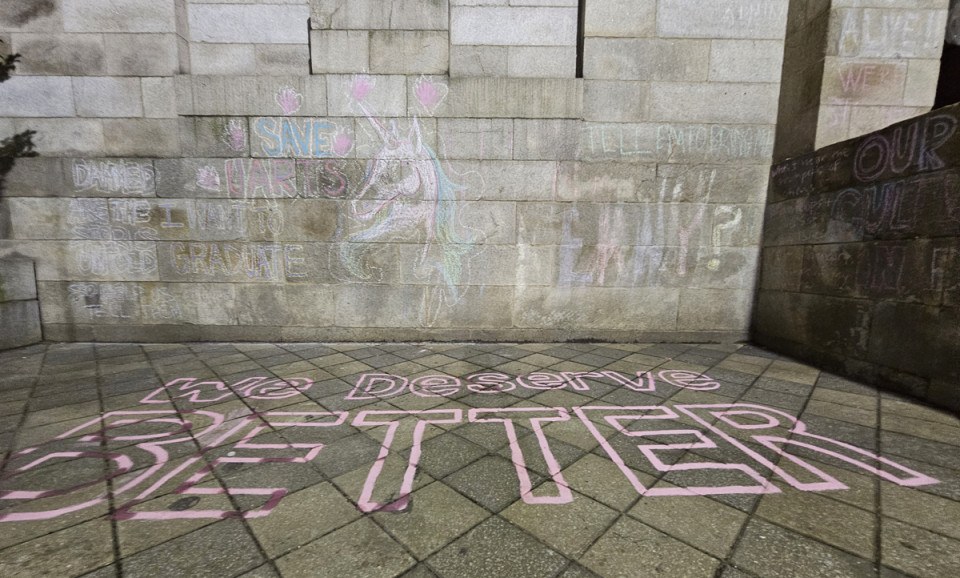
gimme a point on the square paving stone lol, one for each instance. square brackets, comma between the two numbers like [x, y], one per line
[302, 517]
[445, 454]
[70, 552]
[769, 550]
[836, 524]
[714, 528]
[564, 453]
[599, 478]
[491, 481]
[496, 548]
[388, 482]
[914, 506]
[435, 516]
[918, 552]
[631, 548]
[347, 454]
[139, 535]
[220, 549]
[569, 528]
[358, 549]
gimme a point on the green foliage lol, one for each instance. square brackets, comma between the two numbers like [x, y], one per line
[20, 144]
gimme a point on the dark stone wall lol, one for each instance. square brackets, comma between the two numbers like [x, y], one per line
[861, 258]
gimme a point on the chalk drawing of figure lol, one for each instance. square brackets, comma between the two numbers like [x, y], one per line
[406, 194]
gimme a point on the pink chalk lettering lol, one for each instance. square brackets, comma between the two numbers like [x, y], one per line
[484, 415]
[374, 385]
[644, 382]
[235, 135]
[139, 467]
[733, 415]
[490, 383]
[688, 380]
[435, 386]
[391, 419]
[616, 417]
[542, 380]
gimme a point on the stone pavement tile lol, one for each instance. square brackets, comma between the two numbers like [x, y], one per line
[560, 398]
[436, 360]
[858, 435]
[861, 416]
[786, 401]
[921, 509]
[16, 531]
[791, 371]
[575, 570]
[12, 407]
[568, 528]
[538, 359]
[948, 480]
[564, 453]
[139, 535]
[599, 478]
[691, 396]
[828, 521]
[435, 516]
[45, 399]
[388, 482]
[683, 366]
[864, 401]
[302, 517]
[496, 548]
[358, 549]
[70, 552]
[443, 455]
[896, 444]
[731, 375]
[347, 454]
[344, 369]
[458, 369]
[411, 402]
[62, 413]
[111, 571]
[220, 549]
[623, 397]
[931, 430]
[890, 407]
[784, 386]
[699, 521]
[918, 552]
[771, 551]
[9, 423]
[630, 545]
[491, 482]
[574, 433]
[861, 490]
[512, 368]
[265, 571]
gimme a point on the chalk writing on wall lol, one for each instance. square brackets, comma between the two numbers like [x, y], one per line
[910, 147]
[123, 177]
[406, 194]
[136, 446]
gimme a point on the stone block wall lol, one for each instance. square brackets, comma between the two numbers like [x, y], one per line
[19, 308]
[861, 258]
[397, 169]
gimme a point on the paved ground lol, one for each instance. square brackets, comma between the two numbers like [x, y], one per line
[462, 460]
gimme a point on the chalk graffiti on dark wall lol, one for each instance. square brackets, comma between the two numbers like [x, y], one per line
[910, 147]
[180, 437]
[123, 301]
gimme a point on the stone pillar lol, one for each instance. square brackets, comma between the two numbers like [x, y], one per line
[19, 308]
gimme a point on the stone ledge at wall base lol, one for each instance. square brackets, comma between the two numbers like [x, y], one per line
[171, 333]
[19, 308]
[861, 259]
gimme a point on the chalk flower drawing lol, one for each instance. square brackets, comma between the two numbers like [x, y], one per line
[430, 93]
[407, 194]
[208, 178]
[289, 100]
[235, 135]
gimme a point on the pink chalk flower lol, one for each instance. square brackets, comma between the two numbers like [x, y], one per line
[342, 143]
[235, 135]
[208, 178]
[361, 86]
[289, 100]
[429, 93]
